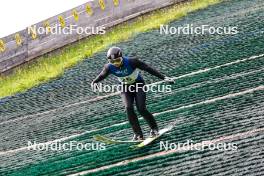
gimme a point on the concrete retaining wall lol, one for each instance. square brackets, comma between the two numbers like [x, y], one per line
[23, 46]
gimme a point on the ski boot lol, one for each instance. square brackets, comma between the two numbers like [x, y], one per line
[137, 137]
[153, 133]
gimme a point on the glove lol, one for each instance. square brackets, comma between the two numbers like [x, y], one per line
[169, 80]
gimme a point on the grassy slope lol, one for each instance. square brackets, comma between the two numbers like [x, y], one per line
[53, 65]
[203, 122]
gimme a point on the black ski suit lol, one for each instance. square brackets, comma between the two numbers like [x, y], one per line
[138, 97]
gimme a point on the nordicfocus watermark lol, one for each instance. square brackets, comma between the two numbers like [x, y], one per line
[67, 146]
[67, 30]
[99, 87]
[190, 29]
[205, 145]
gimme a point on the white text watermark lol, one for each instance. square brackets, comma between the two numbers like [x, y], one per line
[67, 30]
[67, 146]
[99, 87]
[189, 145]
[190, 29]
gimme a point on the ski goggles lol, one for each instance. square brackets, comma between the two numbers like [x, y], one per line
[116, 60]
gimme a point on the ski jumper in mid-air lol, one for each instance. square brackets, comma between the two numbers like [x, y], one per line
[126, 70]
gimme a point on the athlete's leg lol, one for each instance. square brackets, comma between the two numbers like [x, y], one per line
[128, 100]
[141, 106]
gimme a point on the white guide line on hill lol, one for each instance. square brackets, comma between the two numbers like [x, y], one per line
[178, 150]
[155, 114]
[117, 93]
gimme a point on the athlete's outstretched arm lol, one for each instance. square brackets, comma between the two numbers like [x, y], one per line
[143, 66]
[104, 73]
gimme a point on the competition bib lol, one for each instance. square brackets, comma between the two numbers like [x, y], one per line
[130, 79]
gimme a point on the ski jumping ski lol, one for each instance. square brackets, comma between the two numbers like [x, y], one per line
[139, 144]
[149, 140]
[107, 140]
